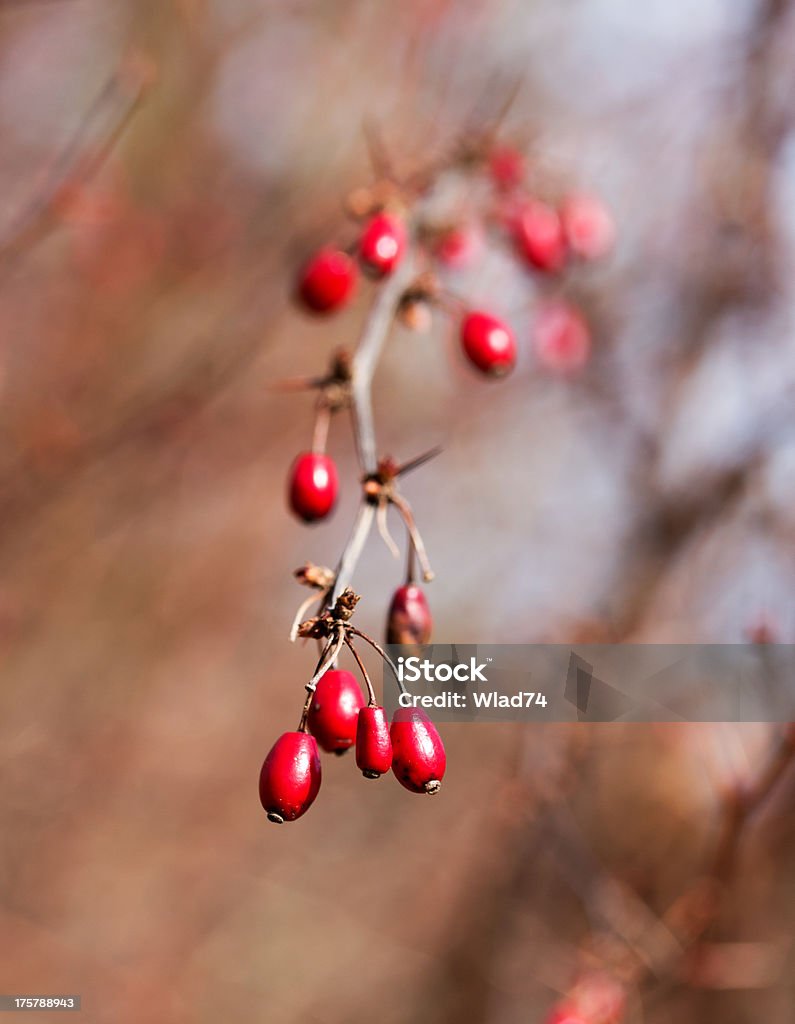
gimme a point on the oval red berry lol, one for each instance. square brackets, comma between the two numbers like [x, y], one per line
[418, 757]
[373, 743]
[588, 226]
[561, 338]
[290, 777]
[327, 281]
[382, 244]
[313, 486]
[539, 236]
[409, 620]
[507, 167]
[488, 343]
[334, 711]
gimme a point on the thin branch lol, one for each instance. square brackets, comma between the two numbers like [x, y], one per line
[376, 330]
[692, 913]
[352, 550]
[322, 424]
[327, 659]
[113, 108]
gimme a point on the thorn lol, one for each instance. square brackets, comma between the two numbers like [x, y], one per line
[418, 461]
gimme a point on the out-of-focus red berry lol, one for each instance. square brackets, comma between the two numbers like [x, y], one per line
[507, 167]
[460, 247]
[382, 244]
[327, 281]
[488, 343]
[539, 236]
[409, 619]
[588, 226]
[561, 338]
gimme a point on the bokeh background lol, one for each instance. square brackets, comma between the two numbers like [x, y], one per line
[165, 168]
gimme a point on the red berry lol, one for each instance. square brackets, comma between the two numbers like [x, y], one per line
[373, 743]
[588, 226]
[489, 344]
[561, 337]
[313, 486]
[563, 1015]
[409, 620]
[459, 247]
[539, 236]
[418, 758]
[334, 710]
[762, 631]
[327, 281]
[290, 777]
[507, 167]
[596, 998]
[382, 244]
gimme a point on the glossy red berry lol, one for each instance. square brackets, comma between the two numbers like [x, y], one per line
[409, 619]
[327, 281]
[290, 777]
[588, 226]
[334, 710]
[418, 757]
[539, 236]
[382, 244]
[507, 167]
[561, 338]
[313, 486]
[373, 743]
[488, 343]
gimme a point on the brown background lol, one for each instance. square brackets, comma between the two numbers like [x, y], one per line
[146, 553]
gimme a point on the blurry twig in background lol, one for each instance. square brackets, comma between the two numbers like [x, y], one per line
[96, 135]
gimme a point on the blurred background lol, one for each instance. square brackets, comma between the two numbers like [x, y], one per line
[165, 169]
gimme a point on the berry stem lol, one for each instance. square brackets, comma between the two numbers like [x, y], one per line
[327, 659]
[415, 539]
[366, 357]
[371, 699]
[382, 652]
[321, 428]
[383, 529]
[352, 551]
[410, 562]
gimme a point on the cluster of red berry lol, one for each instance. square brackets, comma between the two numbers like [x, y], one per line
[546, 238]
[338, 719]
[399, 239]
